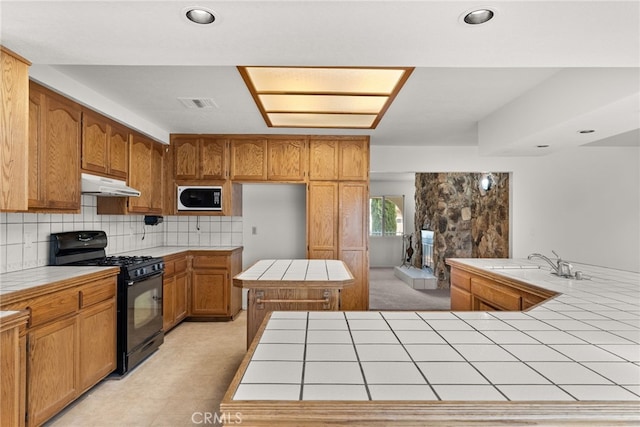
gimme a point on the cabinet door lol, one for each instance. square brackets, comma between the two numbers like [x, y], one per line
[52, 364]
[94, 143]
[36, 141]
[249, 159]
[118, 148]
[460, 299]
[322, 220]
[14, 116]
[97, 341]
[62, 132]
[353, 160]
[140, 173]
[168, 303]
[209, 292]
[323, 159]
[353, 241]
[12, 352]
[185, 157]
[156, 181]
[213, 158]
[286, 159]
[180, 296]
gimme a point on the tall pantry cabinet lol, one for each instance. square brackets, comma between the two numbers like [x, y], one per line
[337, 210]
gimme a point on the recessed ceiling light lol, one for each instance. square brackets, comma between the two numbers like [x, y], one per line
[200, 15]
[479, 16]
[586, 131]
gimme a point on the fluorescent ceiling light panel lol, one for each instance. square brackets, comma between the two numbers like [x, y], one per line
[323, 103]
[340, 97]
[306, 120]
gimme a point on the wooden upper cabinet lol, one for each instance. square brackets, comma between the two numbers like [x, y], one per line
[55, 144]
[198, 157]
[249, 159]
[14, 116]
[339, 158]
[118, 147]
[146, 175]
[104, 146]
[323, 159]
[94, 143]
[353, 160]
[156, 178]
[140, 173]
[286, 159]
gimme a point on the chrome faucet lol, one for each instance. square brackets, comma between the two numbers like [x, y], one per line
[560, 268]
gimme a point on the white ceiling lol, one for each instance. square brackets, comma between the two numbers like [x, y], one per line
[468, 81]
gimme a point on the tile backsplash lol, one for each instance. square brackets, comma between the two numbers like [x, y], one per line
[25, 237]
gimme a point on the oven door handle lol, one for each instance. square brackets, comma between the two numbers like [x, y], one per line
[133, 282]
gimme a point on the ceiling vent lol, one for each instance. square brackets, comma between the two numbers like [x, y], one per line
[199, 103]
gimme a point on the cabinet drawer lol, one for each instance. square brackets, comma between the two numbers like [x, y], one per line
[495, 295]
[96, 292]
[53, 306]
[460, 279]
[213, 261]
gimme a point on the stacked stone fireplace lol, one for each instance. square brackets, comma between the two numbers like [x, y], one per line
[466, 222]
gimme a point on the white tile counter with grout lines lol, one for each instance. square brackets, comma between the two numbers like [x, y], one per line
[581, 346]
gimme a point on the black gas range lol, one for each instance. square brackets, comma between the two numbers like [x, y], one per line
[139, 292]
[132, 267]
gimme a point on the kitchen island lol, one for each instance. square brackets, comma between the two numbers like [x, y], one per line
[291, 285]
[573, 359]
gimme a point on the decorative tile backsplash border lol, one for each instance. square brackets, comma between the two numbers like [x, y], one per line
[25, 237]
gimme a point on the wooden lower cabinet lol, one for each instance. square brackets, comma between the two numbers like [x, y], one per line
[70, 342]
[471, 292]
[52, 366]
[13, 368]
[97, 332]
[213, 295]
[174, 291]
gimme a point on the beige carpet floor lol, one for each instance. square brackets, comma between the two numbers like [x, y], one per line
[387, 292]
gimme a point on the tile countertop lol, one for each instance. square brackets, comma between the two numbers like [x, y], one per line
[42, 276]
[582, 345]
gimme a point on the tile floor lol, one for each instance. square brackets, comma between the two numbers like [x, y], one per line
[181, 383]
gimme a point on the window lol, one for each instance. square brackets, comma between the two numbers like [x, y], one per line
[386, 216]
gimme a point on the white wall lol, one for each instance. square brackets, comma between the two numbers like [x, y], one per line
[388, 251]
[278, 213]
[582, 202]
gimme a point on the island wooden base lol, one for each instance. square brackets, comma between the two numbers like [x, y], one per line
[260, 302]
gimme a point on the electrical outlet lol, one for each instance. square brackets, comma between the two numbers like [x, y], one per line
[254, 230]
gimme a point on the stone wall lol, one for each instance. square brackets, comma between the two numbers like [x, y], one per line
[466, 223]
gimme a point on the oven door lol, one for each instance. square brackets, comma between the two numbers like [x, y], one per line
[144, 310]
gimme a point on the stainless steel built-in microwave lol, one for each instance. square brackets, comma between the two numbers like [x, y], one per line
[199, 198]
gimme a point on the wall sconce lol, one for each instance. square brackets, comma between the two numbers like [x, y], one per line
[486, 182]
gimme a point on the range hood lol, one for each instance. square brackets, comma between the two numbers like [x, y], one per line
[106, 187]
